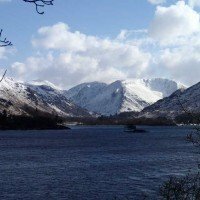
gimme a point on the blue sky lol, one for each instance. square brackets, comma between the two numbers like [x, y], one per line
[103, 20]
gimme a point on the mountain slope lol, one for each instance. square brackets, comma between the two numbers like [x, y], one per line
[121, 96]
[83, 93]
[43, 82]
[175, 104]
[27, 99]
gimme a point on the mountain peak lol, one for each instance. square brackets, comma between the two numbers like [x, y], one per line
[121, 95]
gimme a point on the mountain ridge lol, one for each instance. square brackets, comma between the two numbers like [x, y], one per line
[121, 95]
[180, 102]
[19, 98]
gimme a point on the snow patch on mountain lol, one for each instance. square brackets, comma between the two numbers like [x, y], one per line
[121, 96]
[19, 98]
[175, 104]
[43, 82]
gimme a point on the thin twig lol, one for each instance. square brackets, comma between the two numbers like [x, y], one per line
[3, 76]
[4, 42]
[39, 4]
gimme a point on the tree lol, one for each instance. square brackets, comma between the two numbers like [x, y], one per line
[38, 4]
[4, 42]
[186, 187]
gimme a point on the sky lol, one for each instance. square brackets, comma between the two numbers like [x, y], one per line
[78, 41]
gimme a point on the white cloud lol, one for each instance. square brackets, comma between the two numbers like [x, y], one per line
[59, 37]
[2, 52]
[19, 67]
[73, 57]
[174, 21]
[182, 63]
[123, 35]
[170, 49]
[5, 51]
[131, 34]
[176, 30]
[156, 1]
[194, 3]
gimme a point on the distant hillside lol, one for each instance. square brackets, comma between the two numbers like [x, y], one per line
[175, 104]
[29, 99]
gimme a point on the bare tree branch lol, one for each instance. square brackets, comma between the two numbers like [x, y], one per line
[39, 4]
[186, 187]
[195, 136]
[4, 42]
[3, 75]
[184, 109]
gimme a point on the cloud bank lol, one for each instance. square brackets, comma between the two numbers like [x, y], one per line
[73, 57]
[169, 48]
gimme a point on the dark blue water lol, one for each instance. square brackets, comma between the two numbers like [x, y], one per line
[91, 162]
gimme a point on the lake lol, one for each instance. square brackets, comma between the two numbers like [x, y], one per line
[99, 162]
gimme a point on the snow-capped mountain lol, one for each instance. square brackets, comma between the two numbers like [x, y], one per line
[178, 103]
[25, 99]
[121, 96]
[43, 82]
